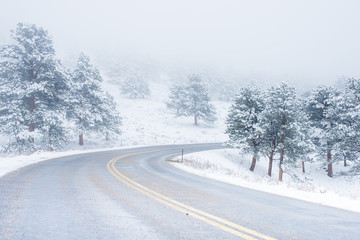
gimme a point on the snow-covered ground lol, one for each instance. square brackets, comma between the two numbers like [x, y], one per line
[228, 165]
[149, 122]
[144, 122]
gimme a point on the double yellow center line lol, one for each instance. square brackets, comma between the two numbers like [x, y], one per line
[223, 224]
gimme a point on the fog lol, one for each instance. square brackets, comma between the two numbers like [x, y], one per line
[304, 42]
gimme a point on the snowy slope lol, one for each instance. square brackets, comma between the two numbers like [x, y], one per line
[144, 122]
[228, 165]
[148, 121]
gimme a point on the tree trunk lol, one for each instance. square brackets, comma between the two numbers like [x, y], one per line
[270, 162]
[281, 161]
[345, 165]
[280, 173]
[81, 139]
[32, 108]
[303, 166]
[283, 121]
[81, 136]
[50, 142]
[195, 119]
[253, 163]
[330, 170]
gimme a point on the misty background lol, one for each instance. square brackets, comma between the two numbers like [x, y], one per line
[305, 43]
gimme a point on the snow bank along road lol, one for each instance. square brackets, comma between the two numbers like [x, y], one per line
[135, 194]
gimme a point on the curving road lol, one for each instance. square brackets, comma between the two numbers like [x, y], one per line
[136, 194]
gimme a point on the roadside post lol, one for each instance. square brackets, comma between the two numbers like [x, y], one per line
[182, 155]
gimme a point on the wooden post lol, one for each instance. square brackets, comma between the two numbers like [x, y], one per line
[182, 155]
[303, 166]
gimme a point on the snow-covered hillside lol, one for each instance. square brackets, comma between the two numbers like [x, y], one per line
[228, 165]
[144, 122]
[149, 122]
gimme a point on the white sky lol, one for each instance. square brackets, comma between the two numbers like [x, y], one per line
[307, 40]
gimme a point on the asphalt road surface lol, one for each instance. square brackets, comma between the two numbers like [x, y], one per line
[136, 194]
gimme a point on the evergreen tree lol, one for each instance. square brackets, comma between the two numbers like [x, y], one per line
[271, 127]
[92, 109]
[307, 147]
[53, 106]
[284, 128]
[110, 121]
[243, 122]
[32, 88]
[349, 147]
[135, 87]
[177, 99]
[325, 111]
[192, 100]
[198, 101]
[12, 114]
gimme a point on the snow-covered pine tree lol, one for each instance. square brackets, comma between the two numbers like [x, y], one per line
[32, 88]
[349, 147]
[92, 109]
[177, 99]
[243, 122]
[12, 114]
[109, 124]
[135, 87]
[198, 102]
[284, 128]
[54, 103]
[307, 147]
[325, 110]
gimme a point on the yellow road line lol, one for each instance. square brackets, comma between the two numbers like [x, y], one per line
[203, 216]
